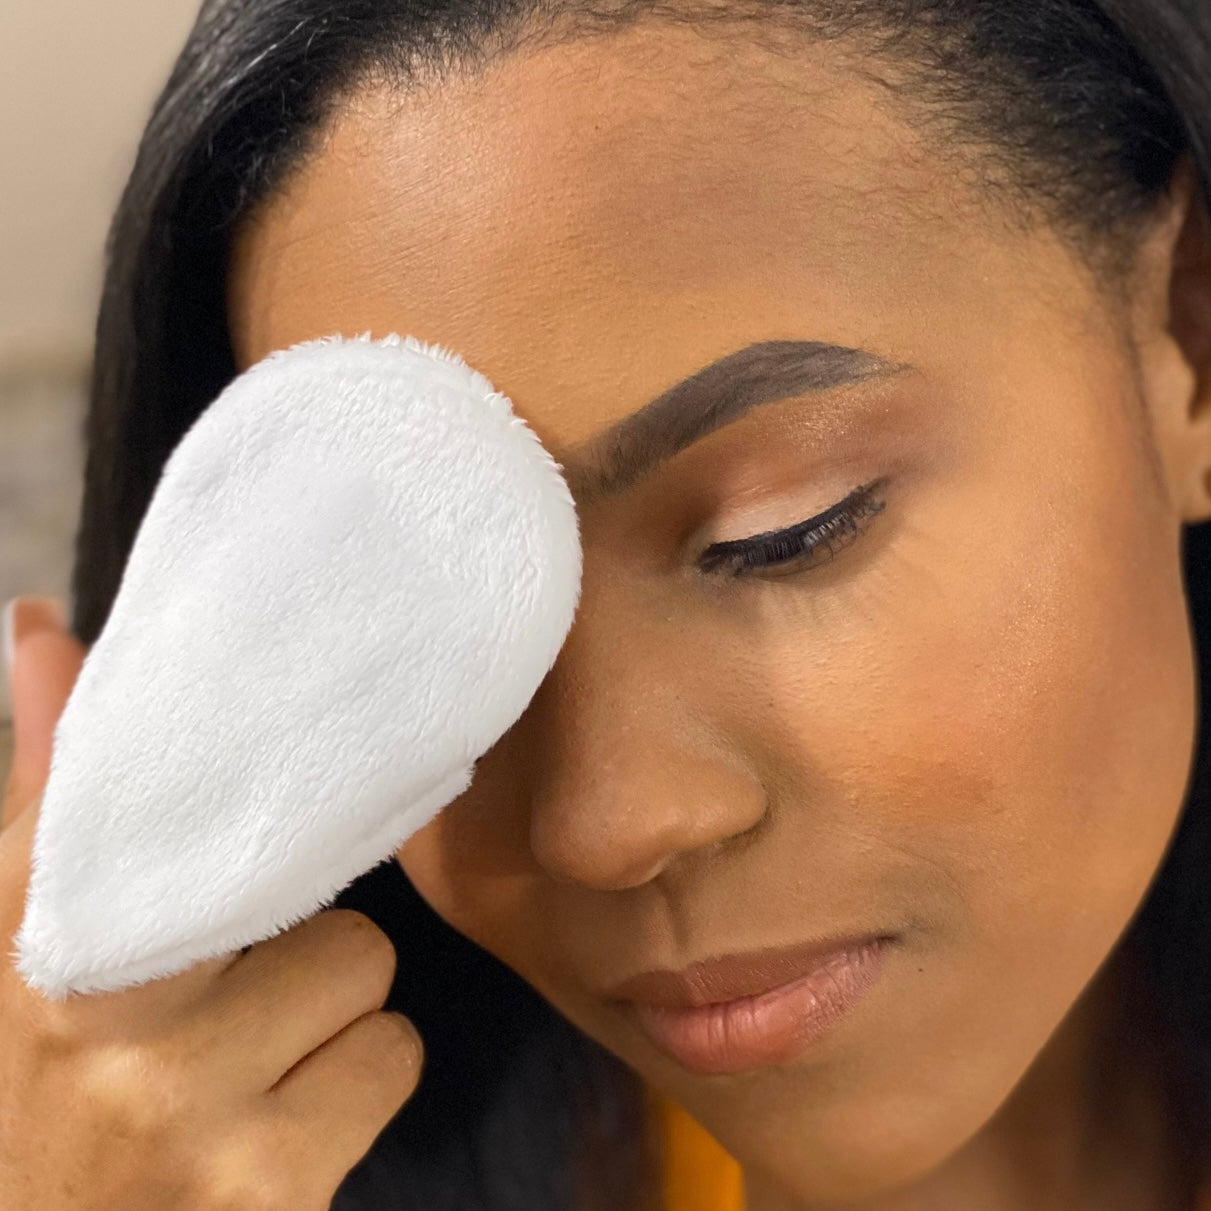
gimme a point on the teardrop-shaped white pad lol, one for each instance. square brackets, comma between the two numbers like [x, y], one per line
[357, 568]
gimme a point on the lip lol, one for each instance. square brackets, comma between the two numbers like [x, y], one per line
[738, 975]
[799, 995]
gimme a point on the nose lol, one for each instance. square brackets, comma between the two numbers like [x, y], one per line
[626, 778]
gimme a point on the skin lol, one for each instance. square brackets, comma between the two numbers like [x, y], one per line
[972, 728]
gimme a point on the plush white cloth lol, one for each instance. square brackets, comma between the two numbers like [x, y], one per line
[358, 566]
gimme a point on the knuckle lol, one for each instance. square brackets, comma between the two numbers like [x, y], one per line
[133, 1089]
[248, 1172]
[263, 1194]
[364, 945]
[357, 929]
[393, 1039]
[392, 1052]
[50, 1028]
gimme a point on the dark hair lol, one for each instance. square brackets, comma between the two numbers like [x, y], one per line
[1077, 112]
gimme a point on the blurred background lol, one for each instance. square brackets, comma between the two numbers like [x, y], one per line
[77, 81]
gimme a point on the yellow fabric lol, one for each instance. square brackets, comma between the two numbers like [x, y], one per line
[698, 1174]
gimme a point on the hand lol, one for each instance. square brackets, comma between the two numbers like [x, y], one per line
[250, 1081]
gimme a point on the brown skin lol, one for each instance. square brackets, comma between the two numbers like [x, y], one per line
[256, 1079]
[972, 728]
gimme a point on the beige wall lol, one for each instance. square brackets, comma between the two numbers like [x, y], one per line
[77, 79]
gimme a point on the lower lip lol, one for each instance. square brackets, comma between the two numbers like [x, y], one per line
[753, 1032]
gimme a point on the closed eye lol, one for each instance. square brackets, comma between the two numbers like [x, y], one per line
[795, 549]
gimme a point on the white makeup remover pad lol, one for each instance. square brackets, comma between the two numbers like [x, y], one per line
[357, 568]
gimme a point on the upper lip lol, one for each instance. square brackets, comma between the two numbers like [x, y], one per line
[712, 981]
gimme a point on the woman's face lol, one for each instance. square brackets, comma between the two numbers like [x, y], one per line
[970, 728]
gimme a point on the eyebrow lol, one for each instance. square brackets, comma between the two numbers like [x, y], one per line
[764, 373]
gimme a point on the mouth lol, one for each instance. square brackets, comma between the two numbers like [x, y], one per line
[741, 1012]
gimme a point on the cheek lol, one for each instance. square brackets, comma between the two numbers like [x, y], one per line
[470, 862]
[1061, 691]
[1037, 735]
[1008, 697]
[994, 745]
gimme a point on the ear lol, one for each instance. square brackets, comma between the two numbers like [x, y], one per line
[45, 659]
[1173, 340]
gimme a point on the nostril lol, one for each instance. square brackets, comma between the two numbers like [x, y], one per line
[613, 852]
[611, 845]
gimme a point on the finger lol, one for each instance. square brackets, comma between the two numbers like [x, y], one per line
[289, 995]
[16, 846]
[352, 1087]
[46, 660]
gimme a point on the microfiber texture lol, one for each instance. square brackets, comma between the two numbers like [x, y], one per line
[356, 570]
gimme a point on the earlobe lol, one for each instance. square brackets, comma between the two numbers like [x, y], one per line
[1196, 503]
[1186, 438]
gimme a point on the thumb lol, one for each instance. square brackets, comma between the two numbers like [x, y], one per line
[44, 664]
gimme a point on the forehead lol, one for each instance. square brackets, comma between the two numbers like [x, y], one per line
[584, 223]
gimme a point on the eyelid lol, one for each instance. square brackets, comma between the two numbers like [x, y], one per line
[862, 501]
[730, 545]
[748, 540]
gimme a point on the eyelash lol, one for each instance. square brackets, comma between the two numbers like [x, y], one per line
[777, 548]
